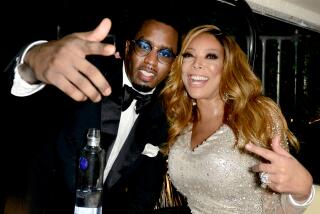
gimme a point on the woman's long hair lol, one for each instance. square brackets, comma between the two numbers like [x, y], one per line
[252, 116]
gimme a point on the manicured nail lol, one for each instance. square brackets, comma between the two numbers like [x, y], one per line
[248, 146]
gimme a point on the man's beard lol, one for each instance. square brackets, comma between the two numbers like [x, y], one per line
[141, 88]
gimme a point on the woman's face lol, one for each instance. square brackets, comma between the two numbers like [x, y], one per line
[202, 67]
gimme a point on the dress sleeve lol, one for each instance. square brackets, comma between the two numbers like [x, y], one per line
[276, 203]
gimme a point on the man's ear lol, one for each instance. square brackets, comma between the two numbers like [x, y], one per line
[127, 49]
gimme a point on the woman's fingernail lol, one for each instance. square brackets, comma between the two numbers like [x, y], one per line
[248, 146]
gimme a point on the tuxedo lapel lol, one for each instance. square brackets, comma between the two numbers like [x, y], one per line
[111, 105]
[127, 156]
[145, 130]
[110, 116]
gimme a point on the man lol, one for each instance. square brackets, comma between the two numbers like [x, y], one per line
[130, 135]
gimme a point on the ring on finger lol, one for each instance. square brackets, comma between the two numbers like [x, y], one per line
[264, 178]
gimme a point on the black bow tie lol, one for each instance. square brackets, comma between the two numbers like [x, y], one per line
[129, 94]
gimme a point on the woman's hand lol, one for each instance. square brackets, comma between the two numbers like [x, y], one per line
[285, 173]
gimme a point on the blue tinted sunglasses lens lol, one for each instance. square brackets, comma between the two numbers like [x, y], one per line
[166, 53]
[143, 45]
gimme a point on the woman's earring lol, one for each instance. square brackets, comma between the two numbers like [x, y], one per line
[225, 97]
[193, 101]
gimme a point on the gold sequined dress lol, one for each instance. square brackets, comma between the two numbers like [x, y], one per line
[215, 177]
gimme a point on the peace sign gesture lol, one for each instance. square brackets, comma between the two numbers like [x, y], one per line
[283, 173]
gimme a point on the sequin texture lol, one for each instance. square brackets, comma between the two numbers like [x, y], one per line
[216, 178]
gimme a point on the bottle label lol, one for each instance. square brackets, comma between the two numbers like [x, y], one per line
[83, 163]
[86, 210]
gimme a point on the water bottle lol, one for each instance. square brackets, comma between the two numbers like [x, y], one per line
[90, 176]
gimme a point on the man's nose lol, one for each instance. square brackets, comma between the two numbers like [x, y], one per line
[151, 58]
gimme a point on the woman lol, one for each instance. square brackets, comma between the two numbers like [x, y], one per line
[224, 133]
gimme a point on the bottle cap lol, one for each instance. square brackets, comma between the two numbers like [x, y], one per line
[93, 137]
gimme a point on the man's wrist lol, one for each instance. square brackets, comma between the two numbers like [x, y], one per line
[24, 71]
[21, 84]
[24, 53]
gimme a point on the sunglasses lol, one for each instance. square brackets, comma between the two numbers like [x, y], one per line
[143, 48]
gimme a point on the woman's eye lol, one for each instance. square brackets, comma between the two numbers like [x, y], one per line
[186, 55]
[212, 56]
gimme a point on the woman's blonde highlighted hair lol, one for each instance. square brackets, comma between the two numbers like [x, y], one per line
[251, 116]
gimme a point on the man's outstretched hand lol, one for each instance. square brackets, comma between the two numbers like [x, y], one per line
[63, 63]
